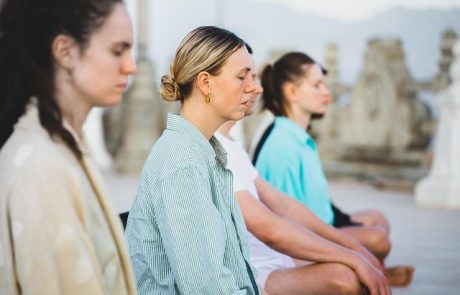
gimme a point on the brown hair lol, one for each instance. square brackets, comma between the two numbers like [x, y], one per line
[27, 30]
[289, 68]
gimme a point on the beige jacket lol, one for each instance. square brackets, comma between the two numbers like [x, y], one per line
[58, 232]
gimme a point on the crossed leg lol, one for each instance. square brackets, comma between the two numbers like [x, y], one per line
[374, 235]
[318, 278]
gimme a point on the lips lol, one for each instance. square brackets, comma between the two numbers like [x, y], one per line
[246, 102]
[122, 86]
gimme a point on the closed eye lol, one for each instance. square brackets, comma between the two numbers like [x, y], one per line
[119, 48]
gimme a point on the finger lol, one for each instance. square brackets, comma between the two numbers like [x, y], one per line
[388, 289]
[373, 290]
[385, 289]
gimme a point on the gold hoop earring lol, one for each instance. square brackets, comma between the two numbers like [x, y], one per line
[208, 97]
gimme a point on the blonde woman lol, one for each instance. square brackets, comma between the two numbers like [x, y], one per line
[185, 231]
[58, 59]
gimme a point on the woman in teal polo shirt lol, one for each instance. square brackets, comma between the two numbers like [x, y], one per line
[294, 90]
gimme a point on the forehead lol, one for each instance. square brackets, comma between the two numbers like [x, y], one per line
[117, 26]
[239, 60]
[314, 73]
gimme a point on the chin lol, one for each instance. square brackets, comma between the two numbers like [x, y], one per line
[248, 112]
[110, 101]
[321, 111]
[237, 116]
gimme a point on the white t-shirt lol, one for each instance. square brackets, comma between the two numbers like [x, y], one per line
[244, 175]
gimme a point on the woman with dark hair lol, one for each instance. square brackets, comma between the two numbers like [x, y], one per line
[58, 59]
[185, 231]
[294, 91]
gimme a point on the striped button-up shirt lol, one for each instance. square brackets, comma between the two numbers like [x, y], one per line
[185, 231]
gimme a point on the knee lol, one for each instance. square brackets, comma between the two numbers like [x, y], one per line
[380, 243]
[345, 281]
[379, 219]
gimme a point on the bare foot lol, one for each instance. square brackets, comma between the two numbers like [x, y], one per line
[399, 276]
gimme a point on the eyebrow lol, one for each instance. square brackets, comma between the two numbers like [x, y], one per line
[124, 44]
[244, 70]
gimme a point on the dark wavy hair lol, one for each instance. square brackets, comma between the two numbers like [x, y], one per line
[288, 68]
[27, 31]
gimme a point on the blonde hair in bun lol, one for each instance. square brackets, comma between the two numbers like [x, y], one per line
[204, 49]
[169, 89]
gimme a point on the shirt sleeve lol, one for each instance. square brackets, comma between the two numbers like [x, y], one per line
[193, 234]
[52, 251]
[284, 173]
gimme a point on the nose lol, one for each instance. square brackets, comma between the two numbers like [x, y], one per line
[326, 93]
[251, 85]
[259, 89]
[129, 66]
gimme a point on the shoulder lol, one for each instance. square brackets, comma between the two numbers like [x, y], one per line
[173, 152]
[31, 154]
[36, 170]
[279, 146]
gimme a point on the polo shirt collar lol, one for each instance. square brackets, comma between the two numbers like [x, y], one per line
[293, 128]
[212, 148]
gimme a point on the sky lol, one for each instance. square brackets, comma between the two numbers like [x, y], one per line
[356, 10]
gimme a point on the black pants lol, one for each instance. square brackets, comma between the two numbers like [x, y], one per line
[342, 219]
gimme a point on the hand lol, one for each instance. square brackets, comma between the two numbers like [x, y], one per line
[372, 278]
[370, 257]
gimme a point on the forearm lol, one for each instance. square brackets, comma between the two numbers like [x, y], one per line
[292, 209]
[294, 240]
[301, 214]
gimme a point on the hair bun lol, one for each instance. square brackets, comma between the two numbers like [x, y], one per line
[169, 89]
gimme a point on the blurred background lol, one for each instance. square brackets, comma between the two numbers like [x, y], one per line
[388, 61]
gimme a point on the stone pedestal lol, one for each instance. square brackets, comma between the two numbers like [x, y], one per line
[441, 188]
[140, 123]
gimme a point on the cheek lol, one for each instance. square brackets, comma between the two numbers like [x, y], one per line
[99, 73]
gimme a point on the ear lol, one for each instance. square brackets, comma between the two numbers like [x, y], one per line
[203, 82]
[65, 50]
[290, 92]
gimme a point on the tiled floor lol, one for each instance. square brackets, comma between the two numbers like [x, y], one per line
[429, 239]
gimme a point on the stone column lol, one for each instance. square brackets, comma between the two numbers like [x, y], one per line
[441, 188]
[137, 123]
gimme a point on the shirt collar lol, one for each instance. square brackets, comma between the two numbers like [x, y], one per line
[293, 128]
[80, 140]
[213, 148]
[32, 120]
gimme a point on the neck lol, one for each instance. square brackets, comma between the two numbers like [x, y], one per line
[225, 128]
[74, 109]
[298, 116]
[197, 112]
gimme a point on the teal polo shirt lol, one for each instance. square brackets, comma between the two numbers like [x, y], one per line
[289, 160]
